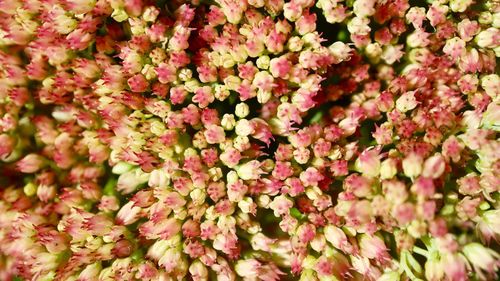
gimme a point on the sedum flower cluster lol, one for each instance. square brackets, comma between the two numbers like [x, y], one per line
[249, 140]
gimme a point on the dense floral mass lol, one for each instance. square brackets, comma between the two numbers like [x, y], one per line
[249, 140]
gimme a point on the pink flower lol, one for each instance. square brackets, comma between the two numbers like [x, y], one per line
[281, 205]
[166, 73]
[137, 83]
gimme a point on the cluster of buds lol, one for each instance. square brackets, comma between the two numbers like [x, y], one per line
[244, 140]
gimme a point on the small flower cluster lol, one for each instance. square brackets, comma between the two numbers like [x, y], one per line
[249, 140]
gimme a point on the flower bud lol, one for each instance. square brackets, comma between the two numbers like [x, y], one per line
[486, 38]
[406, 102]
[31, 163]
[8, 145]
[242, 110]
[228, 122]
[198, 271]
[340, 51]
[232, 177]
[337, 238]
[130, 181]
[295, 44]
[459, 6]
[128, 214]
[249, 170]
[434, 166]
[248, 268]
[247, 206]
[412, 165]
[244, 128]
[119, 15]
[491, 85]
[150, 14]
[359, 26]
[372, 247]
[390, 276]
[292, 11]
[91, 272]
[482, 258]
[242, 143]
[388, 168]
[368, 163]
[373, 50]
[263, 62]
[46, 192]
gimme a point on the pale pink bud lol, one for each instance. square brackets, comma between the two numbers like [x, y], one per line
[306, 23]
[337, 238]
[388, 168]
[452, 148]
[133, 7]
[412, 165]
[395, 191]
[467, 29]
[261, 242]
[31, 163]
[203, 96]
[280, 67]
[128, 214]
[423, 187]
[248, 268]
[91, 272]
[470, 62]
[404, 213]
[364, 8]
[54, 241]
[225, 242]
[236, 191]
[406, 102]
[46, 192]
[244, 128]
[129, 181]
[171, 259]
[292, 11]
[198, 271]
[359, 26]
[8, 145]
[233, 10]
[434, 166]
[250, 170]
[454, 47]
[454, 267]
[368, 162]
[482, 258]
[437, 13]
[108, 204]
[373, 247]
